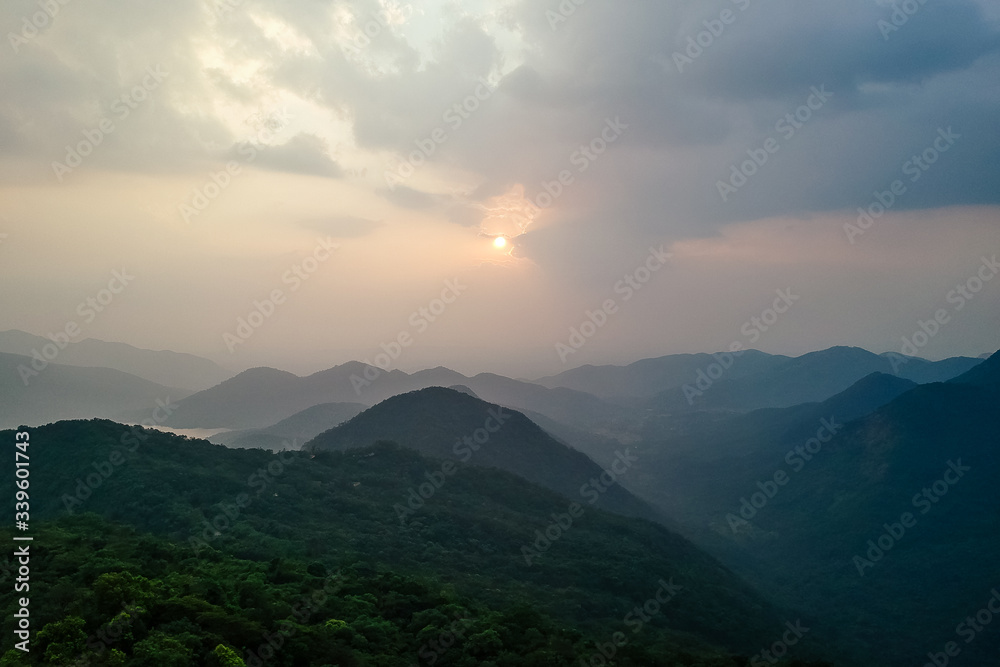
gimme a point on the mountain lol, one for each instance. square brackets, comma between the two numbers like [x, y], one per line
[649, 377]
[922, 371]
[259, 397]
[809, 378]
[865, 396]
[662, 379]
[987, 374]
[218, 547]
[172, 369]
[254, 399]
[29, 396]
[293, 432]
[446, 424]
[686, 468]
[809, 502]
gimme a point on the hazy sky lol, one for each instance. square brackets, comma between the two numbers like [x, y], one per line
[362, 158]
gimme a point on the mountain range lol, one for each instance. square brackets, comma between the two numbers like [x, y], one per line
[172, 369]
[850, 489]
[807, 502]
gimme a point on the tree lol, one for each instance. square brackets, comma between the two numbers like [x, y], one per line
[64, 640]
[223, 656]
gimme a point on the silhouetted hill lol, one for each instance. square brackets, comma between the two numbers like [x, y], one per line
[446, 424]
[463, 389]
[293, 432]
[171, 369]
[260, 397]
[987, 374]
[810, 378]
[69, 392]
[799, 535]
[866, 395]
[923, 371]
[649, 377]
[255, 398]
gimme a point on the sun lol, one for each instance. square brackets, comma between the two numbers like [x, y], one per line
[499, 243]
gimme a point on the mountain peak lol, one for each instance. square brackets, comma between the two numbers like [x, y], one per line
[446, 424]
[985, 374]
[462, 389]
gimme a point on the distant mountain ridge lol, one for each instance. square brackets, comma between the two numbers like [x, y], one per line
[171, 369]
[66, 392]
[260, 397]
[986, 374]
[818, 374]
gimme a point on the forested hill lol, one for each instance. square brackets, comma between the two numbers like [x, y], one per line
[213, 548]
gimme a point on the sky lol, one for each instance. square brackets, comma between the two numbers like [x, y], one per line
[498, 185]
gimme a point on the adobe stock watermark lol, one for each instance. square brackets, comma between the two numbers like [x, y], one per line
[33, 25]
[88, 309]
[900, 16]
[779, 649]
[592, 491]
[914, 168]
[787, 127]
[454, 117]
[122, 108]
[562, 13]
[698, 43]
[109, 634]
[391, 14]
[595, 320]
[222, 8]
[434, 649]
[796, 458]
[959, 296]
[260, 480]
[263, 310]
[752, 330]
[420, 321]
[636, 620]
[218, 182]
[105, 468]
[303, 609]
[582, 158]
[925, 500]
[968, 629]
[464, 449]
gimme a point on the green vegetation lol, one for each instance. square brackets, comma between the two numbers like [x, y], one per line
[318, 562]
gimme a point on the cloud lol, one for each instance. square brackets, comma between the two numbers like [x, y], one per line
[302, 154]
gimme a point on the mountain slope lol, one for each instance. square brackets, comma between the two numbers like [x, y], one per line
[649, 377]
[835, 369]
[254, 399]
[68, 392]
[794, 509]
[987, 374]
[337, 509]
[172, 369]
[293, 432]
[810, 378]
[447, 424]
